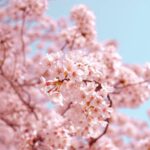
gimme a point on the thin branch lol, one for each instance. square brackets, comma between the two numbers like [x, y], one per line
[4, 58]
[128, 85]
[22, 37]
[110, 101]
[14, 87]
[92, 141]
[66, 109]
[64, 46]
[14, 66]
[98, 87]
[9, 123]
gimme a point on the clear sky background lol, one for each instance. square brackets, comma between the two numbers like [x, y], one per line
[127, 21]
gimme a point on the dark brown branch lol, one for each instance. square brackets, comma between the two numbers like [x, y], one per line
[92, 141]
[9, 123]
[66, 109]
[98, 87]
[110, 101]
[65, 79]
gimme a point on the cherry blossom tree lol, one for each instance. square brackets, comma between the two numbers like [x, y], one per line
[61, 89]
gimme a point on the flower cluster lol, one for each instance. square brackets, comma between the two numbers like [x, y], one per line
[83, 33]
[70, 99]
[73, 73]
[29, 8]
[85, 22]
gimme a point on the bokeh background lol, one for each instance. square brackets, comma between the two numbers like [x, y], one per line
[126, 21]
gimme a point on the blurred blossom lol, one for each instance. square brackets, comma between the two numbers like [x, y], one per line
[62, 64]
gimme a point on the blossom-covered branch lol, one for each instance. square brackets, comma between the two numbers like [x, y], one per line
[61, 88]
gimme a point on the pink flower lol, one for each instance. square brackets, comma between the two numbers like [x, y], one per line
[29, 8]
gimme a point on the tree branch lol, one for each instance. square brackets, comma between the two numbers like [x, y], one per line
[92, 141]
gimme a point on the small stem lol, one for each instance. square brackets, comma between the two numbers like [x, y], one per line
[14, 87]
[64, 46]
[128, 85]
[110, 101]
[66, 109]
[98, 87]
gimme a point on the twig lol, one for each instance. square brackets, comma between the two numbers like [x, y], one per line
[92, 141]
[14, 87]
[22, 37]
[66, 109]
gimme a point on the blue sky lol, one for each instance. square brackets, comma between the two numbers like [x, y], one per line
[126, 21]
